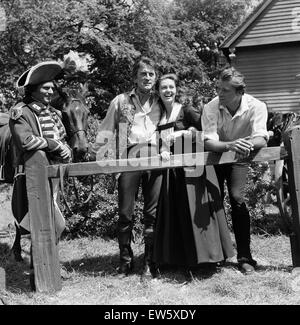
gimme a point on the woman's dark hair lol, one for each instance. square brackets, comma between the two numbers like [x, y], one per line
[171, 76]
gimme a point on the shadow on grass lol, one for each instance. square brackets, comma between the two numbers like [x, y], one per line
[182, 274]
[280, 267]
[16, 273]
[91, 266]
[101, 265]
[107, 266]
[262, 268]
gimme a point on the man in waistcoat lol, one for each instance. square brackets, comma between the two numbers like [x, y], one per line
[140, 111]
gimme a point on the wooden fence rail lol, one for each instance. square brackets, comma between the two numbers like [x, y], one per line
[134, 164]
[39, 184]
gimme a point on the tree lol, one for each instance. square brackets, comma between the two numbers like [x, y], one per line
[43, 29]
[211, 22]
[177, 34]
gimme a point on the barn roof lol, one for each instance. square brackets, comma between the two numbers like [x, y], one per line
[272, 22]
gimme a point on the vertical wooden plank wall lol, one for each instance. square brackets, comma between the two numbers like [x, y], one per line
[44, 247]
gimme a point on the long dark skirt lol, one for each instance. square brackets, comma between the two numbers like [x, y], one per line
[191, 227]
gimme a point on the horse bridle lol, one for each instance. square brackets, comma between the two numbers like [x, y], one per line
[72, 133]
[75, 131]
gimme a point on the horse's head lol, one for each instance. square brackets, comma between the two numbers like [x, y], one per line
[279, 123]
[274, 126]
[75, 111]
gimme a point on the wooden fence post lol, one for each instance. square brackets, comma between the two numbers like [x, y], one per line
[44, 247]
[2, 279]
[292, 144]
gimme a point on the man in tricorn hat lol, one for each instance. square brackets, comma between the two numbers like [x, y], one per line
[35, 125]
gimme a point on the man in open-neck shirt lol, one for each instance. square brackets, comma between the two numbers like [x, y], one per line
[133, 118]
[235, 121]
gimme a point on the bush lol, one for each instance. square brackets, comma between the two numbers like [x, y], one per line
[261, 201]
[260, 193]
[98, 216]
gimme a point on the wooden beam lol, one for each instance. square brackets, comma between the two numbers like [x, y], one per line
[265, 40]
[196, 159]
[44, 248]
[291, 142]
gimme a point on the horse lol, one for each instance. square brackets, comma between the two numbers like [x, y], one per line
[278, 124]
[72, 104]
[74, 109]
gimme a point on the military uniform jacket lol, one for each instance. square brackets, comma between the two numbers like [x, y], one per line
[27, 134]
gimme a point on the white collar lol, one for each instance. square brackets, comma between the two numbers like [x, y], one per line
[242, 108]
[173, 116]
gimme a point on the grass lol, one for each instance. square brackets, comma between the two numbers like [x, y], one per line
[89, 278]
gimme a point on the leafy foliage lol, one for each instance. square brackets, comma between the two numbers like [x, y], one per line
[113, 34]
[261, 200]
[260, 192]
[98, 216]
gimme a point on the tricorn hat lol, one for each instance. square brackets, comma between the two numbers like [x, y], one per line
[40, 73]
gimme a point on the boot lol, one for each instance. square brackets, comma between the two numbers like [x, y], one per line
[126, 253]
[32, 280]
[31, 274]
[150, 269]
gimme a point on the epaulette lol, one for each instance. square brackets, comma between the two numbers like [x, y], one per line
[16, 111]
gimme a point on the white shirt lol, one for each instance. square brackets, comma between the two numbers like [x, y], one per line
[145, 121]
[249, 120]
[144, 124]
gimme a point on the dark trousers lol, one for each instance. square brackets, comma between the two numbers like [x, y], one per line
[128, 185]
[236, 178]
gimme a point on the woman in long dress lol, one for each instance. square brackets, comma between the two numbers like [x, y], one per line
[191, 227]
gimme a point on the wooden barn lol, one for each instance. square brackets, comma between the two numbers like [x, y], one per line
[266, 49]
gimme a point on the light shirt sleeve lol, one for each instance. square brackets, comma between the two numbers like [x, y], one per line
[259, 121]
[107, 128]
[209, 121]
